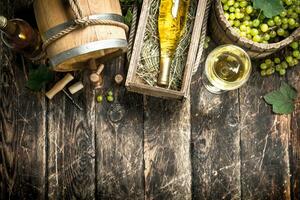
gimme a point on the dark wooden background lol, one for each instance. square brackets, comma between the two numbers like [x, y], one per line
[227, 146]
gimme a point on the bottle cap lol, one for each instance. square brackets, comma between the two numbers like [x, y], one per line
[3, 22]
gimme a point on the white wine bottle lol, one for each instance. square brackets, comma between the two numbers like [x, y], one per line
[171, 23]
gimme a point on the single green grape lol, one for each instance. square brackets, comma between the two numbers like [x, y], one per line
[273, 34]
[256, 22]
[290, 11]
[236, 5]
[99, 98]
[263, 72]
[277, 60]
[237, 23]
[110, 93]
[247, 18]
[232, 9]
[294, 16]
[271, 22]
[266, 37]
[277, 68]
[225, 7]
[248, 30]
[294, 45]
[206, 45]
[284, 65]
[224, 1]
[243, 28]
[289, 59]
[237, 10]
[243, 4]
[232, 16]
[263, 66]
[282, 72]
[264, 28]
[280, 32]
[288, 2]
[284, 26]
[296, 53]
[256, 38]
[249, 9]
[230, 2]
[283, 13]
[285, 20]
[254, 32]
[270, 71]
[110, 98]
[291, 21]
[268, 62]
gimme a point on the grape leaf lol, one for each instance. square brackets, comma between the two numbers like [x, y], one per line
[282, 100]
[270, 8]
[39, 77]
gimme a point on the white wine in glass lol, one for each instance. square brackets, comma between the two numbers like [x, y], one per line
[227, 67]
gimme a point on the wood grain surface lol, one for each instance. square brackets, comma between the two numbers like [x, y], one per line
[264, 143]
[294, 140]
[167, 149]
[119, 140]
[71, 147]
[215, 143]
[22, 129]
[228, 146]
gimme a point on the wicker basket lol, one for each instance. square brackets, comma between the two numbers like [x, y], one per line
[223, 33]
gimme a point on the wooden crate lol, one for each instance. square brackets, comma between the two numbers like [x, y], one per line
[134, 84]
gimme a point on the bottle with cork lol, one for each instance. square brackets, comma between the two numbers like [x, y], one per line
[171, 22]
[19, 36]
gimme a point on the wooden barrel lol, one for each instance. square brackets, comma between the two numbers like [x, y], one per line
[71, 52]
[223, 33]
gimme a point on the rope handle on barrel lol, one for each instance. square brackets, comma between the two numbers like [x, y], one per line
[80, 22]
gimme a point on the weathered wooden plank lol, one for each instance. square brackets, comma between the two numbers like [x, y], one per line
[294, 79]
[264, 143]
[71, 149]
[215, 143]
[22, 128]
[167, 149]
[119, 140]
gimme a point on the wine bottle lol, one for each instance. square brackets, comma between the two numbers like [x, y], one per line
[18, 35]
[171, 22]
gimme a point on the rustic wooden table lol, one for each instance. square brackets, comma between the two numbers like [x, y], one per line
[227, 146]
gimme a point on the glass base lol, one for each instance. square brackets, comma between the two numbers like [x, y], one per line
[210, 87]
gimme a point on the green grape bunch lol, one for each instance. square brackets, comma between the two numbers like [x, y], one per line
[282, 64]
[261, 25]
